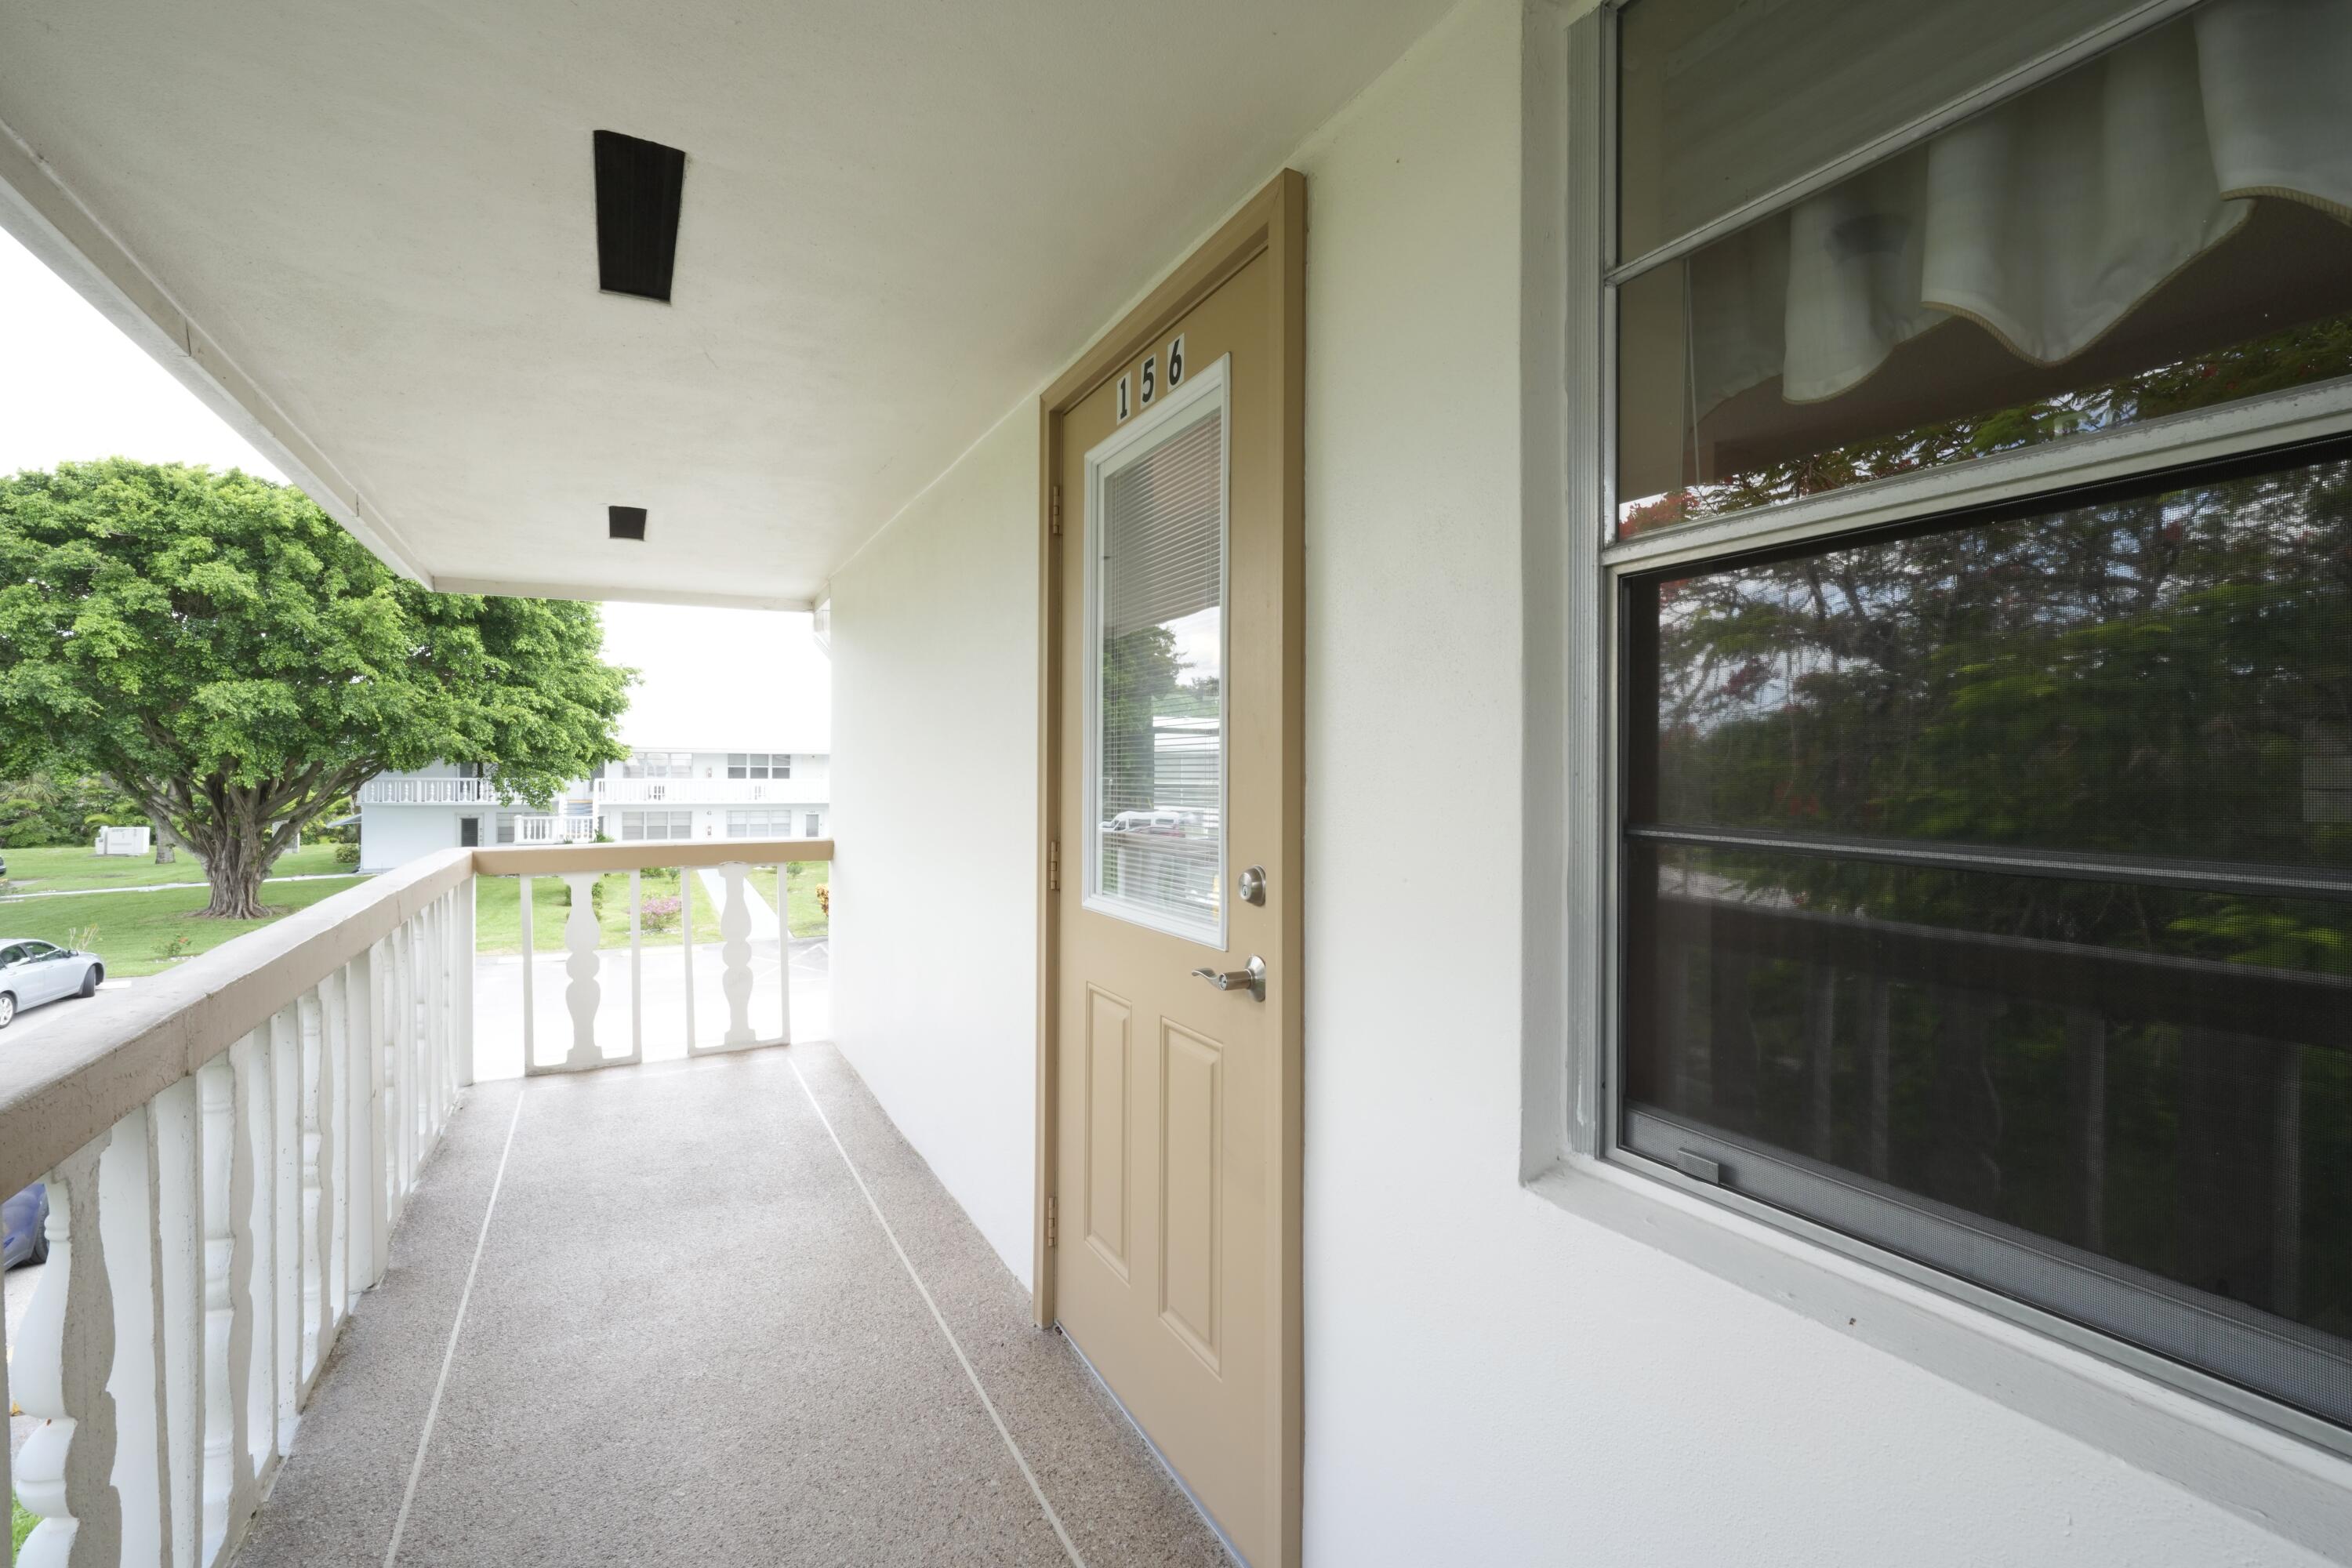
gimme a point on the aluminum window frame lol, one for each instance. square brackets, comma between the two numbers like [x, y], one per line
[1598, 566]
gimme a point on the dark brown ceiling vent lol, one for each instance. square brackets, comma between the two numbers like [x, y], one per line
[638, 184]
[625, 521]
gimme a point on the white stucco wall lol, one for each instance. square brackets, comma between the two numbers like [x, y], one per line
[934, 817]
[1490, 1379]
[390, 836]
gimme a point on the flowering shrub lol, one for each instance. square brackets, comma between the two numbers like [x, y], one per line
[659, 914]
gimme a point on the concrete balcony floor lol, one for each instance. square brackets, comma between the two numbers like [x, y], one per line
[684, 1334]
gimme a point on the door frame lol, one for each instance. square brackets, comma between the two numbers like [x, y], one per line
[1272, 223]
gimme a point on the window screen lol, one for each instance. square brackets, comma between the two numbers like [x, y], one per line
[1156, 715]
[1988, 895]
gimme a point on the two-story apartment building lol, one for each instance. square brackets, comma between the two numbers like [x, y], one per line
[658, 793]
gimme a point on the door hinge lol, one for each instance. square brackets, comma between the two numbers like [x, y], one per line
[1053, 1222]
[1056, 510]
[1053, 866]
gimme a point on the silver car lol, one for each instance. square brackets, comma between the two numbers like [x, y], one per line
[34, 972]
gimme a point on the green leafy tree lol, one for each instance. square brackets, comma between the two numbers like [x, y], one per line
[44, 807]
[217, 646]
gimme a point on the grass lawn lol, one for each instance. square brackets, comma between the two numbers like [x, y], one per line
[133, 933]
[73, 867]
[20, 1523]
[498, 908]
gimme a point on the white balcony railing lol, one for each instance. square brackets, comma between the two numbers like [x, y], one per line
[428, 792]
[712, 792]
[227, 1148]
[554, 829]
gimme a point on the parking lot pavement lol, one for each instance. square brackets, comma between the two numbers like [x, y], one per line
[33, 1020]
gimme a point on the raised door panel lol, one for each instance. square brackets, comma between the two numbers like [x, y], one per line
[1110, 1155]
[1192, 1179]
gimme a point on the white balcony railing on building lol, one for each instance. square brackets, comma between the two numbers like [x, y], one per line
[550, 830]
[428, 792]
[712, 792]
[227, 1148]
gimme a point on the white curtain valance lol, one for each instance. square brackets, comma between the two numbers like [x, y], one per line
[2045, 220]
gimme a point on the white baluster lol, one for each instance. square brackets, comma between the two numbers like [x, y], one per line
[784, 956]
[216, 1151]
[530, 962]
[285, 1145]
[461, 954]
[415, 1090]
[135, 1377]
[434, 976]
[253, 1272]
[174, 1136]
[636, 966]
[582, 936]
[311, 1030]
[336, 1129]
[735, 954]
[398, 1086]
[685, 937]
[371, 1222]
[436, 1058]
[59, 1372]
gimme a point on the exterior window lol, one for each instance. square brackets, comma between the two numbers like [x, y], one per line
[758, 765]
[757, 824]
[1985, 845]
[656, 826]
[1155, 713]
[813, 825]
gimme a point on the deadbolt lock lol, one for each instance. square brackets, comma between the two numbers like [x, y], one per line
[1252, 884]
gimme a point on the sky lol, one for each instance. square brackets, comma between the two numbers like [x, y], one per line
[73, 387]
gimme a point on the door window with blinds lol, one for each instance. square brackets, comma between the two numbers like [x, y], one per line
[1156, 522]
[1984, 846]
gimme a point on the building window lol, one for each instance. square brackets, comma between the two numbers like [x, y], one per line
[759, 824]
[811, 826]
[641, 825]
[1983, 850]
[758, 765]
[659, 765]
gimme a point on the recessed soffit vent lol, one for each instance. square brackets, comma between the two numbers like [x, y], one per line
[625, 521]
[638, 186]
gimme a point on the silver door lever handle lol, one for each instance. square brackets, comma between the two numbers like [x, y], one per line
[1252, 979]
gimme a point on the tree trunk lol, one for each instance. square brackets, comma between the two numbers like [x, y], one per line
[235, 874]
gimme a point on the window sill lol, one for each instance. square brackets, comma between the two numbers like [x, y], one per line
[2269, 1477]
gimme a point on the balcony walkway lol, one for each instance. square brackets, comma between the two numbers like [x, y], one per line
[685, 1335]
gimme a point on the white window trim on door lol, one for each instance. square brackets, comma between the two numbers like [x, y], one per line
[2238, 1452]
[1124, 445]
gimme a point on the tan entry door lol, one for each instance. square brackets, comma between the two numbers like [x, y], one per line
[1175, 928]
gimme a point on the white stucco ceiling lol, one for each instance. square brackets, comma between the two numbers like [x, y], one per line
[374, 222]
